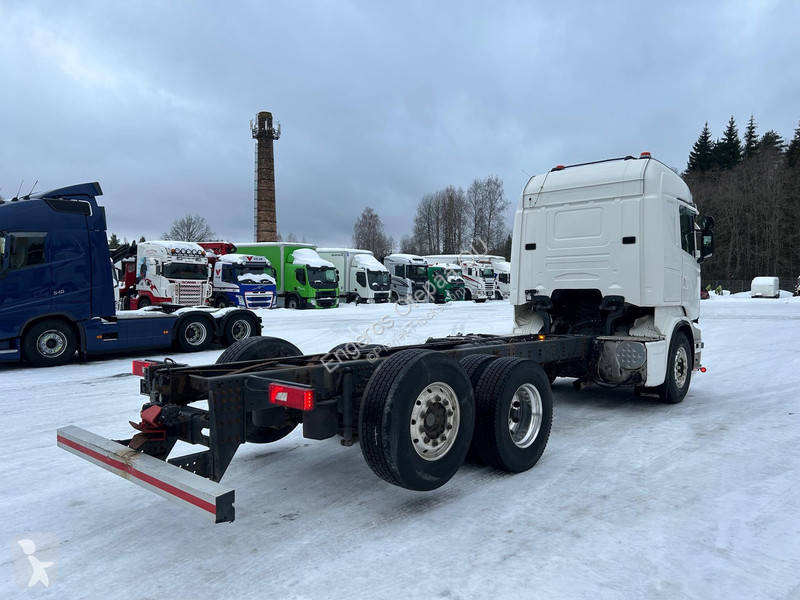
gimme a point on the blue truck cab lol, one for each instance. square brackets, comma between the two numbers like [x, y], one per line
[57, 289]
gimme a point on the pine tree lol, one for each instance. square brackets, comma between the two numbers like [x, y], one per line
[701, 158]
[750, 139]
[728, 150]
[793, 151]
[113, 241]
[771, 143]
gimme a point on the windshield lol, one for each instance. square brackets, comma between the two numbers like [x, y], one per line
[487, 273]
[322, 277]
[255, 274]
[417, 272]
[194, 271]
[504, 278]
[379, 279]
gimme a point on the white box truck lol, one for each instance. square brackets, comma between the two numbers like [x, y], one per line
[361, 277]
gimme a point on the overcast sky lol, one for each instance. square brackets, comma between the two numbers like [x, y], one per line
[379, 102]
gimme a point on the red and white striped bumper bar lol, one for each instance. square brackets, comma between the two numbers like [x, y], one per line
[176, 484]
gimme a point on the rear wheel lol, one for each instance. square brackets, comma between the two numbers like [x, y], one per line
[514, 414]
[240, 327]
[195, 334]
[416, 419]
[261, 348]
[49, 343]
[474, 365]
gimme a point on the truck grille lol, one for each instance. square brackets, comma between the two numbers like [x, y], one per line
[258, 299]
[326, 293]
[189, 293]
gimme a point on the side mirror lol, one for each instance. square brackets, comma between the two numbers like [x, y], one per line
[706, 245]
[707, 222]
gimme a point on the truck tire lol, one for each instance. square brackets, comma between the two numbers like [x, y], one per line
[474, 365]
[258, 348]
[143, 302]
[416, 419]
[293, 302]
[195, 334]
[221, 302]
[239, 327]
[514, 414]
[679, 370]
[49, 343]
[467, 295]
[393, 297]
[481, 301]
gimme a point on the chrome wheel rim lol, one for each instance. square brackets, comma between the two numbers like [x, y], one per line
[435, 419]
[681, 368]
[51, 343]
[241, 329]
[196, 334]
[525, 415]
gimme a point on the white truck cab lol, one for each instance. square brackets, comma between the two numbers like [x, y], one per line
[612, 248]
[171, 272]
[361, 277]
[409, 274]
[502, 277]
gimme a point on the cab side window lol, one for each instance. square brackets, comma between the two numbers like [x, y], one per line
[687, 232]
[27, 249]
[300, 274]
[398, 270]
[361, 278]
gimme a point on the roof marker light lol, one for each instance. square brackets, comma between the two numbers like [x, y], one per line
[644, 155]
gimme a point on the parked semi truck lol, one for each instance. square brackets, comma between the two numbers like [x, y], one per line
[171, 272]
[446, 282]
[502, 277]
[409, 274]
[246, 280]
[361, 277]
[605, 276]
[57, 288]
[477, 273]
[303, 279]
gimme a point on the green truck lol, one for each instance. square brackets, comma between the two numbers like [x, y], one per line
[303, 279]
[446, 282]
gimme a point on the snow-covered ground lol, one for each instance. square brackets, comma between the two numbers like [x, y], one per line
[632, 498]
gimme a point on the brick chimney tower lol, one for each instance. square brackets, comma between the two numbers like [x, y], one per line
[266, 224]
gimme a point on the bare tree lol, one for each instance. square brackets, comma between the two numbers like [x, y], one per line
[368, 234]
[487, 208]
[191, 228]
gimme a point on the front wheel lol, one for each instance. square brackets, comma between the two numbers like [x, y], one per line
[293, 302]
[49, 343]
[143, 302]
[679, 369]
[416, 419]
[221, 302]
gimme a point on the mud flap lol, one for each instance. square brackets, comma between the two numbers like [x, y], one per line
[185, 488]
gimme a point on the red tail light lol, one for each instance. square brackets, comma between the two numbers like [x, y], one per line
[139, 366]
[301, 398]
